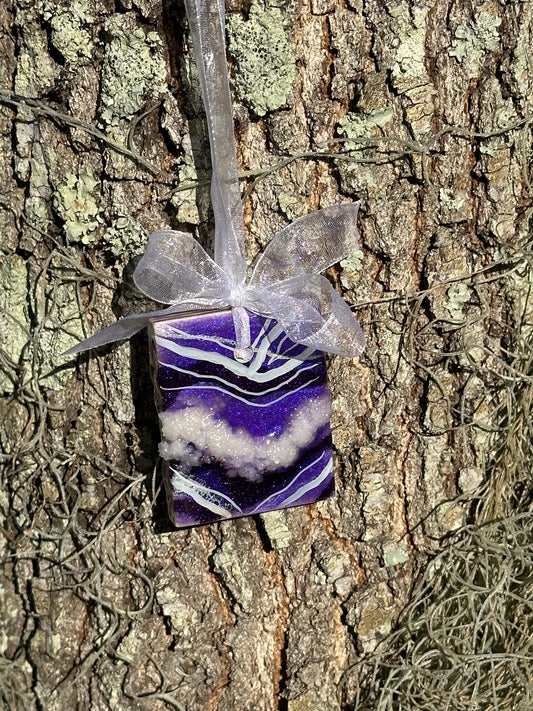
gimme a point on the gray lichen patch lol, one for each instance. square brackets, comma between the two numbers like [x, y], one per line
[360, 125]
[521, 64]
[70, 23]
[454, 201]
[278, 532]
[14, 321]
[375, 612]
[35, 71]
[457, 296]
[332, 564]
[125, 238]
[450, 516]
[184, 618]
[405, 53]
[377, 501]
[77, 204]
[31, 165]
[228, 562]
[264, 58]
[395, 554]
[470, 479]
[185, 200]
[134, 69]
[291, 205]
[474, 40]
[409, 44]
[351, 269]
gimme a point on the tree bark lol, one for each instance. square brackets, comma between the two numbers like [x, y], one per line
[423, 112]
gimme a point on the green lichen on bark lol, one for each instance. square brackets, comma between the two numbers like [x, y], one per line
[70, 24]
[58, 310]
[35, 70]
[359, 125]
[134, 69]
[14, 321]
[124, 238]
[395, 554]
[457, 296]
[185, 200]
[264, 58]
[409, 44]
[474, 40]
[351, 268]
[77, 204]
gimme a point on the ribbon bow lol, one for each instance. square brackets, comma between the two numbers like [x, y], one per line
[286, 284]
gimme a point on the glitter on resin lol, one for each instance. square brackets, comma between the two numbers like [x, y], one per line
[239, 438]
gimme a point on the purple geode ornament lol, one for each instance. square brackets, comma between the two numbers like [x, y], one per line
[238, 363]
[239, 438]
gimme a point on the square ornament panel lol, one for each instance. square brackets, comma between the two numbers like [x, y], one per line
[239, 439]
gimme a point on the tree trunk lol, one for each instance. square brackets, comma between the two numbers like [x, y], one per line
[423, 112]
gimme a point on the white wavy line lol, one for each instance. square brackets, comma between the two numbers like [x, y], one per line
[266, 333]
[234, 367]
[242, 390]
[288, 486]
[280, 344]
[310, 485]
[277, 331]
[278, 355]
[193, 489]
[242, 399]
[225, 343]
[274, 355]
[255, 393]
[262, 331]
[261, 352]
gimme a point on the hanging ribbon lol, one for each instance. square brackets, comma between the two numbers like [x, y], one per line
[286, 284]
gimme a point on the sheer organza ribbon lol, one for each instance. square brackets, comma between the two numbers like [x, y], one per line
[286, 284]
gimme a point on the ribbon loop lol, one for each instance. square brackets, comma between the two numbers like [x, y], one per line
[310, 244]
[176, 268]
[311, 312]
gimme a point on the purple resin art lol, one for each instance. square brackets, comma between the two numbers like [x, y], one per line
[239, 438]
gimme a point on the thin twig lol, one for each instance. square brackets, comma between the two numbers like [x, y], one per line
[39, 108]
